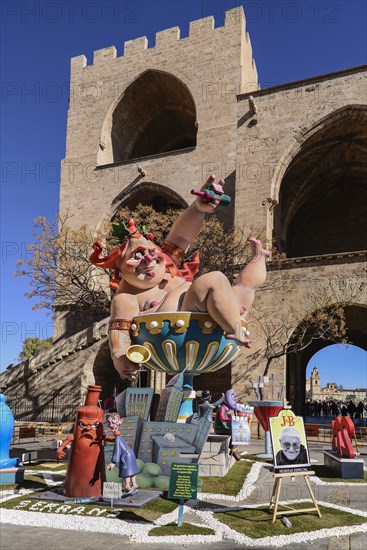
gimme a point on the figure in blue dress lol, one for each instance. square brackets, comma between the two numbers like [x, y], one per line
[123, 456]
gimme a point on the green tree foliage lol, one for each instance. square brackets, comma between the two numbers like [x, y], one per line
[33, 346]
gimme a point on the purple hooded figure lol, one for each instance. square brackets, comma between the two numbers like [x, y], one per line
[124, 457]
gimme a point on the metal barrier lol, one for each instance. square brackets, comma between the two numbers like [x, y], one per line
[322, 433]
[40, 432]
[54, 408]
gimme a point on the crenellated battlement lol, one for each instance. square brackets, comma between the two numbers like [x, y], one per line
[167, 38]
[134, 46]
[201, 32]
[103, 55]
[201, 25]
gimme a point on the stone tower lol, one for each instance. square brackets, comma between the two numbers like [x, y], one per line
[157, 121]
[168, 112]
[315, 385]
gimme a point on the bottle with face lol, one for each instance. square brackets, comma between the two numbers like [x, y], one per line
[85, 473]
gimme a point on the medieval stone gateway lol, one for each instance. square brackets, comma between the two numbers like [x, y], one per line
[293, 157]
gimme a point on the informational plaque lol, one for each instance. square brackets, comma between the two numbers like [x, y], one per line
[112, 490]
[183, 481]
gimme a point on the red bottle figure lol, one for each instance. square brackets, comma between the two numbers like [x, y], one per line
[85, 473]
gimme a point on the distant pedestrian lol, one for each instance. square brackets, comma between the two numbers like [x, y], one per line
[359, 410]
[334, 409]
[351, 409]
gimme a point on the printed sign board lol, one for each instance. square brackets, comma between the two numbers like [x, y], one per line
[288, 438]
[112, 489]
[240, 427]
[183, 481]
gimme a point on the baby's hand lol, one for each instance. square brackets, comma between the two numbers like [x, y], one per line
[130, 369]
[204, 202]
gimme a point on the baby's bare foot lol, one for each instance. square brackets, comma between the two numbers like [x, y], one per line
[257, 248]
[240, 340]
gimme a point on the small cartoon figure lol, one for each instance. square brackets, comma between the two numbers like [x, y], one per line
[113, 421]
[123, 456]
[223, 421]
[206, 408]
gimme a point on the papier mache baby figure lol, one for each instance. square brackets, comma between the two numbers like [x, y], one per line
[149, 278]
[123, 456]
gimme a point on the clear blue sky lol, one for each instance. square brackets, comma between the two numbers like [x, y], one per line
[345, 365]
[291, 40]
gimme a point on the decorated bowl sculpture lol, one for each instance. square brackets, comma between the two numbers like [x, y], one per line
[183, 341]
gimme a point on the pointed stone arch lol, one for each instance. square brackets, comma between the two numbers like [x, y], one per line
[147, 192]
[155, 114]
[320, 187]
[105, 374]
[296, 364]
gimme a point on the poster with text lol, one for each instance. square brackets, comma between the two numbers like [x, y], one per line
[288, 438]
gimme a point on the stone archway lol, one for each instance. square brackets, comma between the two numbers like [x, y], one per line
[148, 193]
[322, 195]
[156, 114]
[356, 321]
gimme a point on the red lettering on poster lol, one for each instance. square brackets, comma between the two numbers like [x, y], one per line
[287, 420]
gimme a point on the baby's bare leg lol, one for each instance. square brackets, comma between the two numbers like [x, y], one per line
[250, 277]
[212, 293]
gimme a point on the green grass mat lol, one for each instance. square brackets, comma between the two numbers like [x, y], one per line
[256, 523]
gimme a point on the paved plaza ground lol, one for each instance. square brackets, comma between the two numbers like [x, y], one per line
[353, 496]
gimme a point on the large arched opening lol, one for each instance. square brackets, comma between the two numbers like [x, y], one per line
[322, 197]
[338, 374]
[356, 322]
[105, 374]
[155, 115]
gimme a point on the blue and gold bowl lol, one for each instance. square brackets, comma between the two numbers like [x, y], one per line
[183, 340]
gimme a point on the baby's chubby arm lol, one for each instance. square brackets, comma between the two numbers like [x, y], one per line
[123, 306]
[188, 225]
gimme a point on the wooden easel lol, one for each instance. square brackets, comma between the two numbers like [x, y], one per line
[274, 501]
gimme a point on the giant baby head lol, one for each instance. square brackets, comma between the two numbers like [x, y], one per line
[138, 261]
